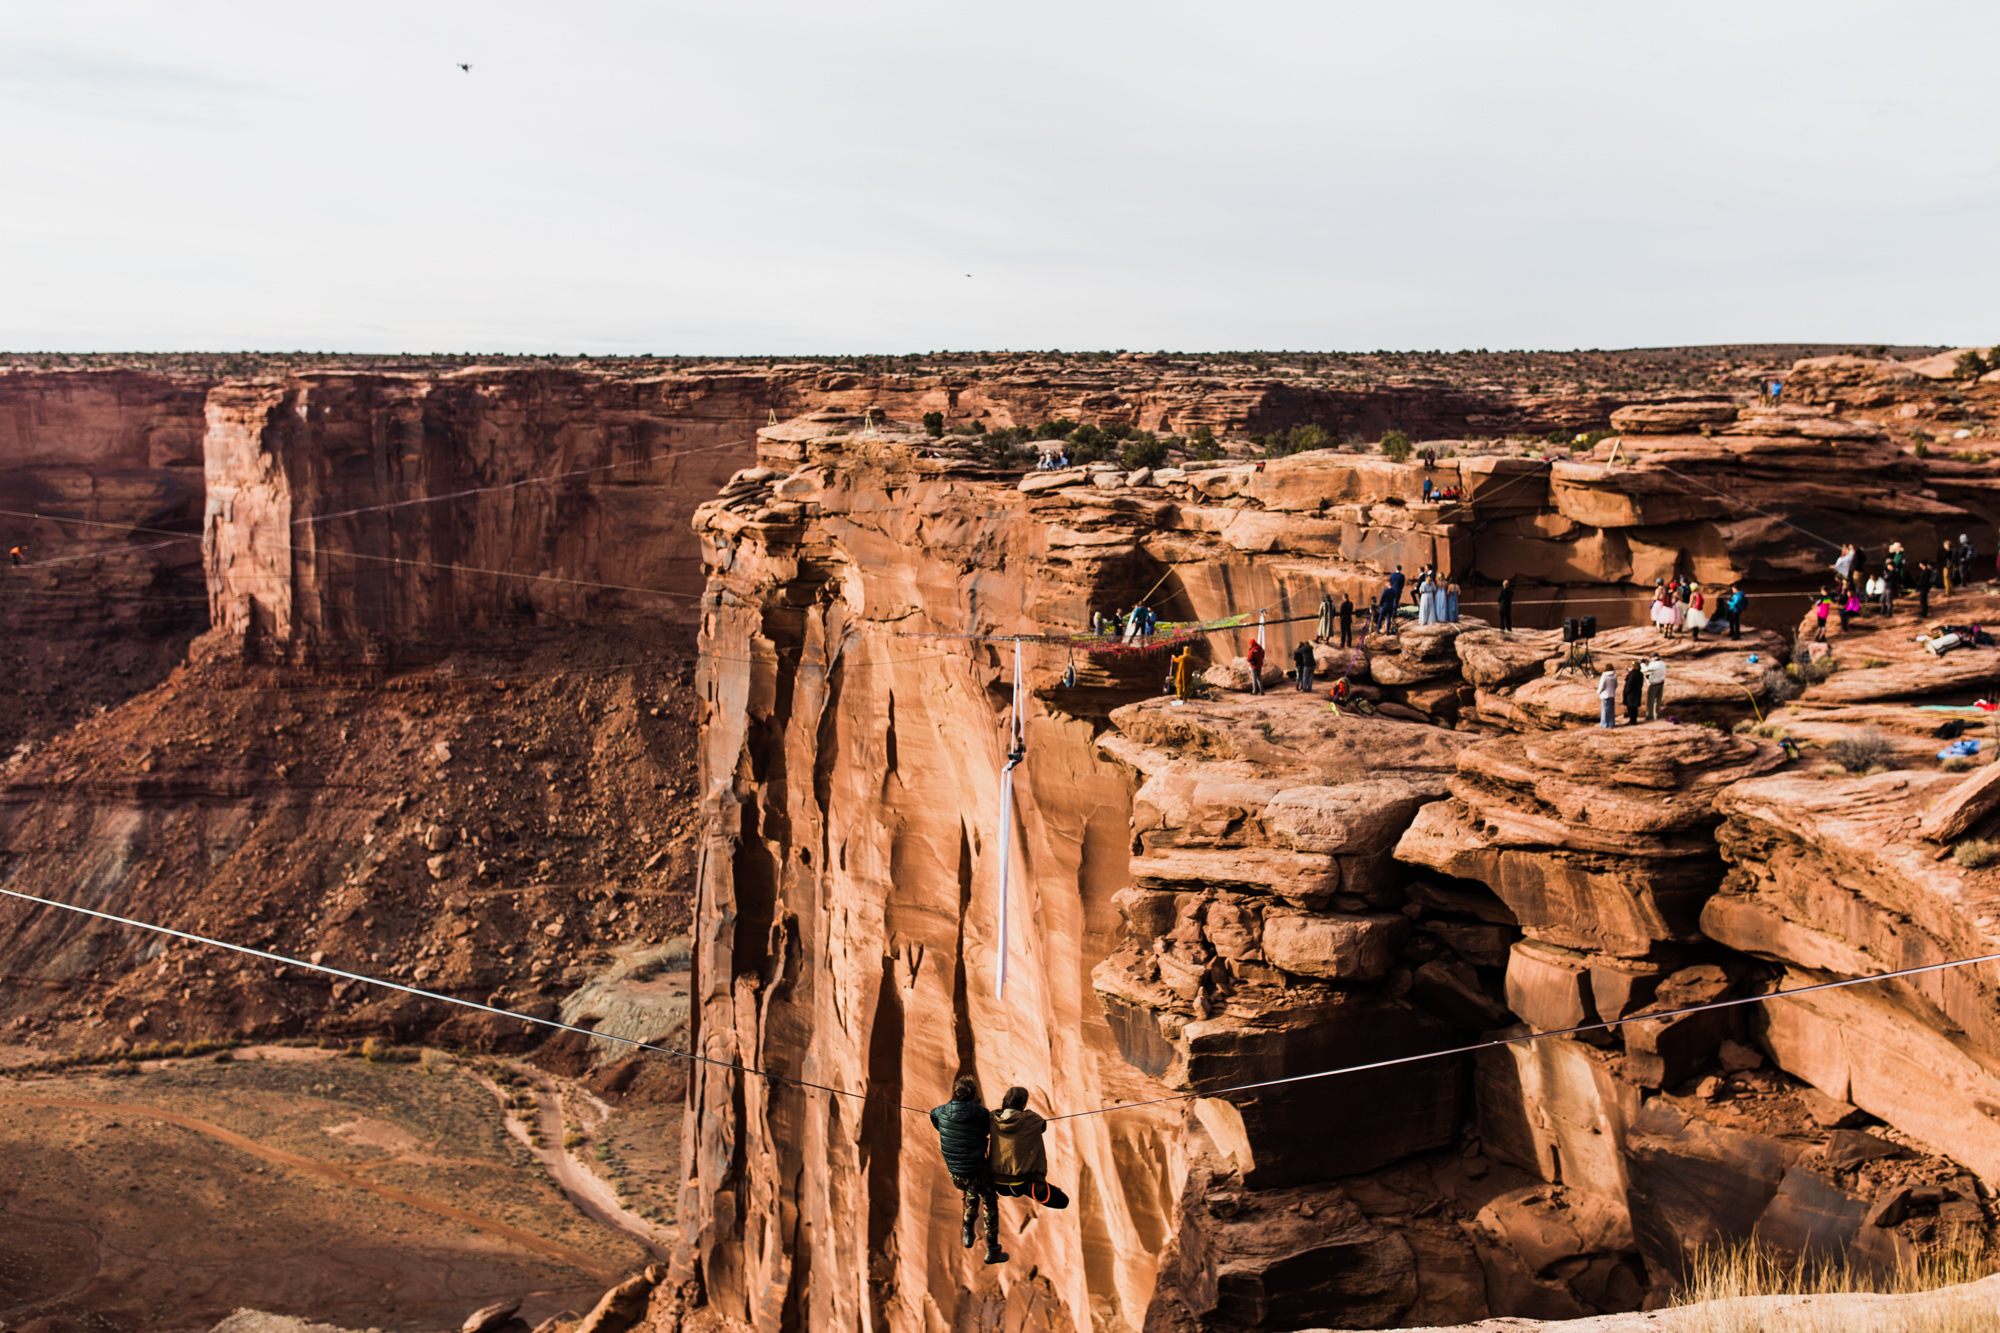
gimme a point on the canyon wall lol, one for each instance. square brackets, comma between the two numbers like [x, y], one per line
[377, 515]
[1246, 888]
[98, 470]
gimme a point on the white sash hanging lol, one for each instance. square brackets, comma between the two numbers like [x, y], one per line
[1016, 752]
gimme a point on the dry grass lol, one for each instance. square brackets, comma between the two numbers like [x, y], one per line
[1732, 1288]
[1958, 763]
[1865, 750]
[1975, 853]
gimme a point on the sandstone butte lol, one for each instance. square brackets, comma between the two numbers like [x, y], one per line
[1232, 890]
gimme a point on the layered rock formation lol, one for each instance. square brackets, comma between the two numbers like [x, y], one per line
[1239, 889]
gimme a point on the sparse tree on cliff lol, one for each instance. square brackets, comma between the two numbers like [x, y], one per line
[1396, 446]
[934, 425]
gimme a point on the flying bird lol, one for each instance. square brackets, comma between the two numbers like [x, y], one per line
[466, 68]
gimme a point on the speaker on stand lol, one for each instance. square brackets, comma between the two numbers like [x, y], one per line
[1578, 631]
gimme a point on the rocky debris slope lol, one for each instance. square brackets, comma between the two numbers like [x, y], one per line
[501, 828]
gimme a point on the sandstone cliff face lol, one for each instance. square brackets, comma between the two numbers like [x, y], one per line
[105, 604]
[374, 513]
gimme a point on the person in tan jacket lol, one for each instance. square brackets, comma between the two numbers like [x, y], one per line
[1017, 1162]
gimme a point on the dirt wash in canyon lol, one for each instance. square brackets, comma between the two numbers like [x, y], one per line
[1247, 887]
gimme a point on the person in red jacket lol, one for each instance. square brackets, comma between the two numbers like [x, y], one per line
[1256, 658]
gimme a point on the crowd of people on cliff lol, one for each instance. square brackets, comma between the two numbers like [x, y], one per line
[993, 1155]
[1681, 606]
[1856, 590]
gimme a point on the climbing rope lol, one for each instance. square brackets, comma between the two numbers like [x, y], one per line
[456, 1000]
[1495, 1044]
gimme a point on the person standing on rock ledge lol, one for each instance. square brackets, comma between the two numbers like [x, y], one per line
[1505, 600]
[1635, 693]
[1302, 666]
[1607, 698]
[965, 1131]
[1655, 673]
[1256, 659]
[1346, 621]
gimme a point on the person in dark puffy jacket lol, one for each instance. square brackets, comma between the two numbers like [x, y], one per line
[964, 1130]
[1017, 1162]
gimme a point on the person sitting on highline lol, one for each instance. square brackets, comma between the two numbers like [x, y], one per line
[964, 1128]
[1017, 1162]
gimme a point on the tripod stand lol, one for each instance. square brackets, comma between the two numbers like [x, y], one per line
[1577, 660]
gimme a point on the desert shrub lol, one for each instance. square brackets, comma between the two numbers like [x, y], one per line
[1298, 440]
[1811, 671]
[1862, 751]
[934, 425]
[374, 1049]
[1396, 446]
[1781, 686]
[1202, 446]
[1976, 853]
[1770, 731]
[1922, 449]
[1055, 428]
[573, 1138]
[1871, 663]
[1958, 763]
[1143, 450]
[1970, 365]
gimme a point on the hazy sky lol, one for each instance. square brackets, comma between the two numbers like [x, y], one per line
[745, 177]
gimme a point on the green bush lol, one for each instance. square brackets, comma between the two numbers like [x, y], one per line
[1970, 365]
[934, 425]
[1202, 445]
[1922, 449]
[1299, 440]
[1143, 450]
[1055, 428]
[1396, 446]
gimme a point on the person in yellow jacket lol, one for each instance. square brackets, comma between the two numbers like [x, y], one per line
[1183, 667]
[1016, 1162]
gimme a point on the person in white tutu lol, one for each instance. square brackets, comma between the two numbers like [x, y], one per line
[1697, 612]
[1663, 610]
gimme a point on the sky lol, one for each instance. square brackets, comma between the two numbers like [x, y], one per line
[775, 178]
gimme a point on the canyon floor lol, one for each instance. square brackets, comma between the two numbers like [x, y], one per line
[373, 1193]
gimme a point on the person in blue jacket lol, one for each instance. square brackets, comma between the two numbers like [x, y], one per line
[965, 1133]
